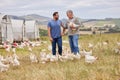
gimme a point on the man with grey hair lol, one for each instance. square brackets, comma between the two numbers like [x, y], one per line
[73, 24]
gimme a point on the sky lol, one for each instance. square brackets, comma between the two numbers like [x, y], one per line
[86, 9]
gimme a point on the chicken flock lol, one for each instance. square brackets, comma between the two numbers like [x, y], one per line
[14, 60]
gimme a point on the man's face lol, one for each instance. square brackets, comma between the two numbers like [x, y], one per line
[56, 16]
[70, 15]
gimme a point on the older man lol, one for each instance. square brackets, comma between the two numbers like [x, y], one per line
[73, 25]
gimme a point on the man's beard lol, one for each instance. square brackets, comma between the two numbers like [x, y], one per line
[56, 18]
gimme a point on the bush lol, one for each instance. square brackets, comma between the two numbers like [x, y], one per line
[43, 32]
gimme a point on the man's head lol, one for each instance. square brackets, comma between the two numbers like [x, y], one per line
[56, 15]
[70, 14]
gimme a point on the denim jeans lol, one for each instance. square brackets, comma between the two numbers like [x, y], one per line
[73, 41]
[57, 41]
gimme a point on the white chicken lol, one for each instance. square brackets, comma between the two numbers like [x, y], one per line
[15, 56]
[90, 59]
[45, 42]
[68, 57]
[87, 53]
[38, 44]
[49, 47]
[117, 51]
[71, 23]
[14, 50]
[82, 53]
[105, 43]
[33, 58]
[16, 62]
[43, 57]
[9, 59]
[118, 43]
[29, 49]
[3, 67]
[60, 58]
[48, 56]
[90, 45]
[22, 45]
[65, 42]
[7, 49]
[2, 59]
[33, 44]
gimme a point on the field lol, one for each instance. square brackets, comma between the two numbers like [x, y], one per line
[107, 67]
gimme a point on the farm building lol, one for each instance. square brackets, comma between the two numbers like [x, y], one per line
[6, 30]
[31, 29]
[18, 29]
[23, 29]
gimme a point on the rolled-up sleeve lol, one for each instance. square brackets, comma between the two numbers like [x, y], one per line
[49, 24]
[77, 22]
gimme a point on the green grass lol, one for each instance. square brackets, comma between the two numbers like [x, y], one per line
[42, 32]
[117, 22]
[107, 67]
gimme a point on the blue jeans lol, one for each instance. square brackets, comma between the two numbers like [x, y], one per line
[57, 41]
[73, 41]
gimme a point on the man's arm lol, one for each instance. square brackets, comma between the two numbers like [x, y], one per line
[77, 22]
[49, 34]
[63, 32]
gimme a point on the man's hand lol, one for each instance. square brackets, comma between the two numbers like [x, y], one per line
[51, 39]
[71, 26]
[62, 34]
[49, 34]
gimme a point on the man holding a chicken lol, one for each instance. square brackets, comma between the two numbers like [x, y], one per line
[73, 24]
